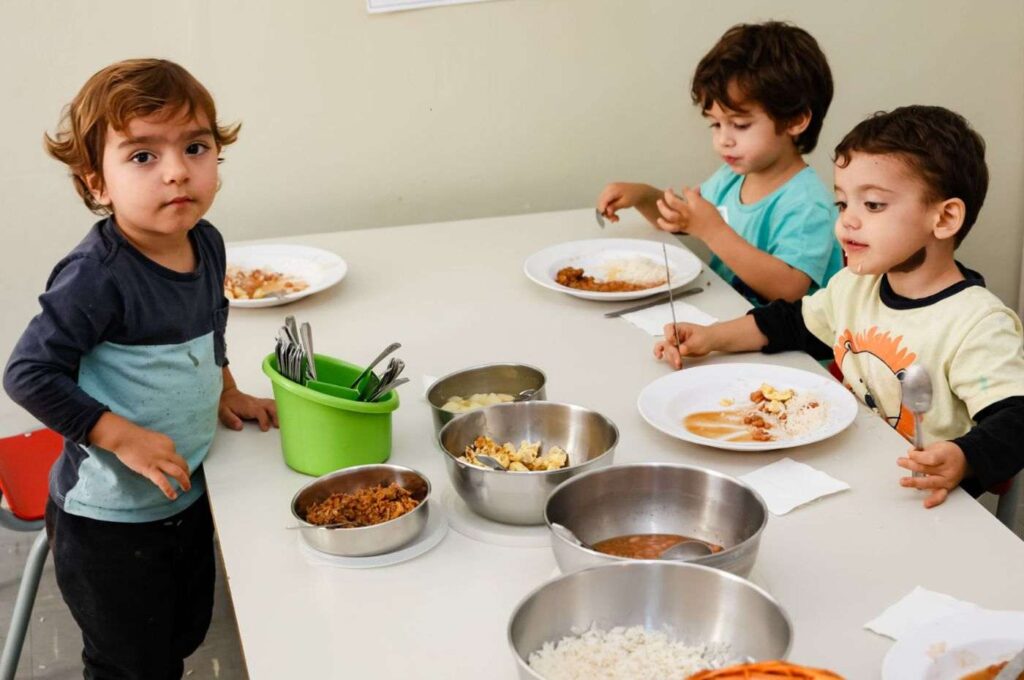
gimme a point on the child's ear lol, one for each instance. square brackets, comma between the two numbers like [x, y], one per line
[949, 218]
[98, 189]
[798, 124]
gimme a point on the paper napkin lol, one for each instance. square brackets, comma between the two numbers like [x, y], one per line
[787, 484]
[654, 319]
[917, 608]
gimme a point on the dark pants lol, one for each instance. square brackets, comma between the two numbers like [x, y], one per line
[141, 593]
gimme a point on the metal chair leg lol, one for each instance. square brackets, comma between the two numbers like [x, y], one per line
[23, 606]
[1006, 510]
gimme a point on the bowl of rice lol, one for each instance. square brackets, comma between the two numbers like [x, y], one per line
[644, 619]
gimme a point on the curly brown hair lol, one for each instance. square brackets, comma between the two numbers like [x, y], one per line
[939, 145]
[775, 64]
[115, 96]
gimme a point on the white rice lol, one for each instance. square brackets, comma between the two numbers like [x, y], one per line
[637, 269]
[621, 653]
[801, 417]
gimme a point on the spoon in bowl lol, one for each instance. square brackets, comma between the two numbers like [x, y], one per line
[525, 395]
[569, 535]
[489, 461]
[687, 550]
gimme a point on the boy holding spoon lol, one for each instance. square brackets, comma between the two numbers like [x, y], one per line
[909, 185]
[127, 361]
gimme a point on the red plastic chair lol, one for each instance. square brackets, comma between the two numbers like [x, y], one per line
[25, 462]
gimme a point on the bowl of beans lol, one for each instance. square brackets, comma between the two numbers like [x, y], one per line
[636, 512]
[363, 510]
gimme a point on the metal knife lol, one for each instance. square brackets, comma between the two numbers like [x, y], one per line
[1013, 669]
[659, 299]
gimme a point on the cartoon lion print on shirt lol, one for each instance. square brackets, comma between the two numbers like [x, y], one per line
[872, 362]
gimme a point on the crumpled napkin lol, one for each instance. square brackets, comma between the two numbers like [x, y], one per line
[654, 319]
[787, 484]
[915, 609]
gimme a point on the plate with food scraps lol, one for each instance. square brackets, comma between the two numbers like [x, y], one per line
[963, 646]
[271, 274]
[748, 407]
[611, 268]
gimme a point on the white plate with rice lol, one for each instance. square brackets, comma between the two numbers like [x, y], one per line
[318, 269]
[666, 402]
[613, 259]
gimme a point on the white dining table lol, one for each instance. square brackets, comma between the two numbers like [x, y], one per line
[454, 295]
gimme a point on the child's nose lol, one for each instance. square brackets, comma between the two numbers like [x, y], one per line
[175, 170]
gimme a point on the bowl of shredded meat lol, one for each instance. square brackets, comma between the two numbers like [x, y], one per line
[363, 510]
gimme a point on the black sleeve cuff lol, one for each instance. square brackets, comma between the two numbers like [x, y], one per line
[783, 324]
[992, 447]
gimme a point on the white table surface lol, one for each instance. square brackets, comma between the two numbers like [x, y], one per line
[454, 294]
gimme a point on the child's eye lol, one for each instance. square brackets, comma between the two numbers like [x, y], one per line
[741, 126]
[872, 206]
[196, 149]
[840, 206]
[715, 126]
[142, 157]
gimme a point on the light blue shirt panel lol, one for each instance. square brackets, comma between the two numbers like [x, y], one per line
[171, 389]
[795, 223]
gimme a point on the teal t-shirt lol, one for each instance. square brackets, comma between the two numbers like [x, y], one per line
[795, 223]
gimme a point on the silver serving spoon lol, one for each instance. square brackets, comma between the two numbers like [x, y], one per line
[569, 535]
[526, 395]
[489, 461]
[687, 550]
[366, 371]
[916, 388]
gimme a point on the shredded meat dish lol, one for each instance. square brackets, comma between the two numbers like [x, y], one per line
[365, 507]
[255, 284]
[576, 278]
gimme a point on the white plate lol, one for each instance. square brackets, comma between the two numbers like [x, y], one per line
[956, 645]
[542, 266]
[666, 401]
[319, 268]
[433, 532]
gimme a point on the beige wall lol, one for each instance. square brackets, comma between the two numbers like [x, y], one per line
[511, 106]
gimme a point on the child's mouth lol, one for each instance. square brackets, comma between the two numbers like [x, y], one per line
[731, 160]
[853, 246]
[180, 200]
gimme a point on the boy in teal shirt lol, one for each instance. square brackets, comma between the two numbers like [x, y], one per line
[765, 215]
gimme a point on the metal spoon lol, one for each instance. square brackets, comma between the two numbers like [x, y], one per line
[306, 339]
[600, 218]
[687, 550]
[916, 395]
[383, 389]
[526, 395]
[569, 535]
[489, 461]
[366, 371]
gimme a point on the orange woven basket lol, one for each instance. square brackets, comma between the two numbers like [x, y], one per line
[767, 670]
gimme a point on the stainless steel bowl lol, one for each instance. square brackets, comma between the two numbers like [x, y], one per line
[697, 604]
[518, 497]
[501, 378]
[657, 498]
[371, 540]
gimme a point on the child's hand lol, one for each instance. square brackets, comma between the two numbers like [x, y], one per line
[693, 341]
[619, 195]
[148, 453]
[943, 464]
[690, 214]
[236, 406]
